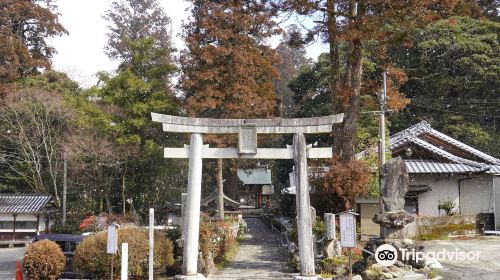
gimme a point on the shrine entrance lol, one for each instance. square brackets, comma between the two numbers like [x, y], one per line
[247, 130]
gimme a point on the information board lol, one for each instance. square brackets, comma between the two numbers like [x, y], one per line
[112, 239]
[347, 230]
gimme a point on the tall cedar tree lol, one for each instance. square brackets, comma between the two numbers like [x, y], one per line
[365, 28]
[227, 70]
[24, 27]
[135, 20]
[292, 59]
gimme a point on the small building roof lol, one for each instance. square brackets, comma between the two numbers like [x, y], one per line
[431, 151]
[24, 203]
[255, 176]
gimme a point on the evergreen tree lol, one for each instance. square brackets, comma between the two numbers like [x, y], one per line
[292, 59]
[132, 21]
[227, 70]
[25, 27]
[454, 80]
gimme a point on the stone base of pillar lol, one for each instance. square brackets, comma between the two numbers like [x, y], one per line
[189, 277]
[298, 277]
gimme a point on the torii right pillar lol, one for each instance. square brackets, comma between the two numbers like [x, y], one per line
[304, 224]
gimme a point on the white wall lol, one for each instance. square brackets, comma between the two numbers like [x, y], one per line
[25, 217]
[496, 188]
[443, 188]
[476, 194]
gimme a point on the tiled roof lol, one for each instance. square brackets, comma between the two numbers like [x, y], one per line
[428, 166]
[424, 127]
[23, 203]
[456, 164]
[438, 151]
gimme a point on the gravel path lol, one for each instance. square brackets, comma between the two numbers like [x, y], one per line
[486, 268]
[259, 255]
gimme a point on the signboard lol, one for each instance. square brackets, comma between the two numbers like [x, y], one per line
[112, 239]
[348, 229]
[267, 189]
[247, 140]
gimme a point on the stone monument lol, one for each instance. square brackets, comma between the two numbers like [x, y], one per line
[393, 187]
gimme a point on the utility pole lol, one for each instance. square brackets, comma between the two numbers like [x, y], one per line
[381, 140]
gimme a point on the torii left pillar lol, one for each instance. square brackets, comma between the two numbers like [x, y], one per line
[191, 223]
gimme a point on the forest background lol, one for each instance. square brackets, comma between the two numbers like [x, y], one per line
[442, 59]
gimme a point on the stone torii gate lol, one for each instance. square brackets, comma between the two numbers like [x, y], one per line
[247, 130]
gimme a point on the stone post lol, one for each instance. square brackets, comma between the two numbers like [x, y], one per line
[332, 246]
[304, 226]
[191, 223]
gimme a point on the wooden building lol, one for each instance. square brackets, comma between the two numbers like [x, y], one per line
[22, 216]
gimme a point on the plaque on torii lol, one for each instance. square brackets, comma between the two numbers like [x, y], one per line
[248, 131]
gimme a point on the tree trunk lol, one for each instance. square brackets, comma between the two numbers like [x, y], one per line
[65, 188]
[123, 191]
[350, 124]
[334, 82]
[108, 203]
[352, 84]
[220, 190]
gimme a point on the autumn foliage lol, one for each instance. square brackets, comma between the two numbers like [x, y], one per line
[341, 186]
[44, 260]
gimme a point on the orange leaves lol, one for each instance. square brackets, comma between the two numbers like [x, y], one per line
[347, 181]
[44, 260]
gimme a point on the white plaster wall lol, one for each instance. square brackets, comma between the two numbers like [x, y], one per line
[496, 195]
[476, 195]
[443, 188]
[25, 217]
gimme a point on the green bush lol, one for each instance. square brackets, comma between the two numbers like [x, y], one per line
[44, 260]
[448, 206]
[91, 257]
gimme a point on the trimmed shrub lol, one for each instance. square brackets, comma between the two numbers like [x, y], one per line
[91, 257]
[44, 260]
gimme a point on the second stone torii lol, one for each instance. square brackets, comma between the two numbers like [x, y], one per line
[247, 130]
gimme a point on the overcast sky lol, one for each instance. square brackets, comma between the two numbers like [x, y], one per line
[81, 53]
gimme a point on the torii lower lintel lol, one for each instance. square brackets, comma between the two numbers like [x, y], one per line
[232, 153]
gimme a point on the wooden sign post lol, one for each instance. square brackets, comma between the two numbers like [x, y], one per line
[151, 242]
[112, 244]
[348, 234]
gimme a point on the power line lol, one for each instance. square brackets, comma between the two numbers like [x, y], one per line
[453, 112]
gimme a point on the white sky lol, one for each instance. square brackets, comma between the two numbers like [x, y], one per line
[81, 53]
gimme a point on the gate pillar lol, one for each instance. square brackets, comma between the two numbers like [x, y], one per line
[191, 222]
[304, 225]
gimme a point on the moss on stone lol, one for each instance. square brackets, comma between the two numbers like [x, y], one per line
[440, 231]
